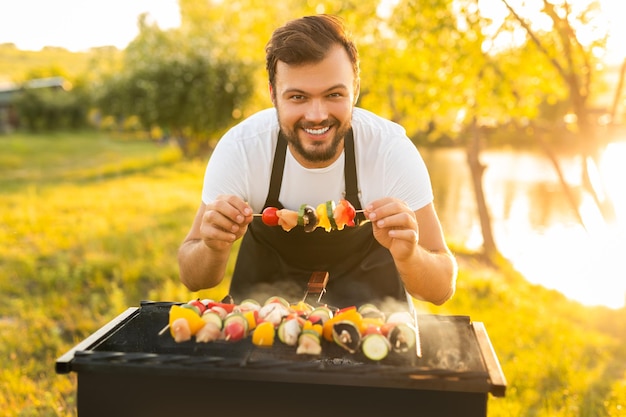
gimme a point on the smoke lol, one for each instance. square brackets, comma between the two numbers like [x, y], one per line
[289, 290]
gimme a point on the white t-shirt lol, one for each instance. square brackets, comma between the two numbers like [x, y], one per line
[388, 165]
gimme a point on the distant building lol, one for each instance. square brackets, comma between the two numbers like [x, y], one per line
[9, 119]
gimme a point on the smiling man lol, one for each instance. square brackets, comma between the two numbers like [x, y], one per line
[314, 146]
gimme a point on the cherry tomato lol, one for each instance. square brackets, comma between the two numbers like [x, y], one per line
[269, 216]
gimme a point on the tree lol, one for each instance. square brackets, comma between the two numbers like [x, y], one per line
[451, 72]
[446, 82]
[179, 84]
[574, 63]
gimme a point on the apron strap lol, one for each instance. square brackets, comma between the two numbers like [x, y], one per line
[352, 189]
[278, 167]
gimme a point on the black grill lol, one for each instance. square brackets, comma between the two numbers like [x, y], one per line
[127, 368]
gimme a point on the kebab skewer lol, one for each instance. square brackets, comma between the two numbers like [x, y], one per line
[328, 215]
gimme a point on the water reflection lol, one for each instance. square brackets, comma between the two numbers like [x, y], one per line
[533, 222]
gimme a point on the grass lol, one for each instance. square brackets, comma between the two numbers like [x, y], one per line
[90, 225]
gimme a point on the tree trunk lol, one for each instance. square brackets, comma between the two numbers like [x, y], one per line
[617, 97]
[557, 167]
[477, 170]
[590, 156]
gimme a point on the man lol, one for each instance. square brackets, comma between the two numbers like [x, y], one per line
[315, 146]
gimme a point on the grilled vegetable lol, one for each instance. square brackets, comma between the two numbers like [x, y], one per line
[235, 327]
[375, 346]
[264, 334]
[190, 315]
[213, 317]
[307, 218]
[371, 311]
[228, 307]
[371, 325]
[192, 307]
[324, 313]
[402, 337]
[276, 299]
[252, 318]
[309, 343]
[199, 305]
[347, 335]
[344, 214]
[269, 217]
[302, 308]
[289, 330]
[310, 325]
[400, 317]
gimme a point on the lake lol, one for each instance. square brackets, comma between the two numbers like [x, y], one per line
[533, 224]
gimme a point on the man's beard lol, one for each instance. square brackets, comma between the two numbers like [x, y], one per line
[321, 152]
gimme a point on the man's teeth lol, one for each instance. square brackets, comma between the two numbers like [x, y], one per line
[317, 131]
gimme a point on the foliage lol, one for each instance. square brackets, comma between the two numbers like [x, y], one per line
[90, 226]
[18, 66]
[178, 84]
[52, 109]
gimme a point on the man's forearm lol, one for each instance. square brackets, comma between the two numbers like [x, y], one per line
[429, 276]
[200, 266]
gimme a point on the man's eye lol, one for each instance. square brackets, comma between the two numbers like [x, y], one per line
[297, 97]
[334, 95]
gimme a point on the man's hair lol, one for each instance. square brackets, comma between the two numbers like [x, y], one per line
[308, 40]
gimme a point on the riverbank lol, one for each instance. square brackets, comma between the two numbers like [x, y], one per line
[91, 225]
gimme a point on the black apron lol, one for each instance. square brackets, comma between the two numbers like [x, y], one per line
[273, 262]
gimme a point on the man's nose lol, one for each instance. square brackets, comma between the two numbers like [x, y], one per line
[316, 111]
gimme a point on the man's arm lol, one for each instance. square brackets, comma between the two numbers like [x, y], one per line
[416, 242]
[204, 253]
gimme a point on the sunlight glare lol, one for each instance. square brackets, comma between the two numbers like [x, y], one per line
[613, 170]
[583, 263]
[78, 25]
[609, 21]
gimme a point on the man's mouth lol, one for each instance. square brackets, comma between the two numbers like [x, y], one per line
[319, 131]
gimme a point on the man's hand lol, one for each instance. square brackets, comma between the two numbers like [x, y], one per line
[224, 221]
[395, 226]
[416, 242]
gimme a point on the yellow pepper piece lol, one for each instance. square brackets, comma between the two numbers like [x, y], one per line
[193, 319]
[366, 322]
[301, 307]
[327, 328]
[251, 317]
[264, 334]
[322, 216]
[317, 328]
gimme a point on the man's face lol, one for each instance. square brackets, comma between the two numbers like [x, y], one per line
[314, 104]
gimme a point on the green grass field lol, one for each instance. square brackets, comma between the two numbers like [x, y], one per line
[90, 225]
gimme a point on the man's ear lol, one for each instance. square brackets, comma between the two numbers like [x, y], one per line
[357, 91]
[272, 94]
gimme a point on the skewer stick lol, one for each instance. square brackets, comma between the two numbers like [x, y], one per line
[260, 214]
[164, 329]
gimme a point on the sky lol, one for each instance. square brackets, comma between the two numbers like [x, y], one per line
[78, 25]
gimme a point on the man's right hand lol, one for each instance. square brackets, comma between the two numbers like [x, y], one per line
[224, 220]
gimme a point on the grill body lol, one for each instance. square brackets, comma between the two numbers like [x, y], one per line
[126, 369]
